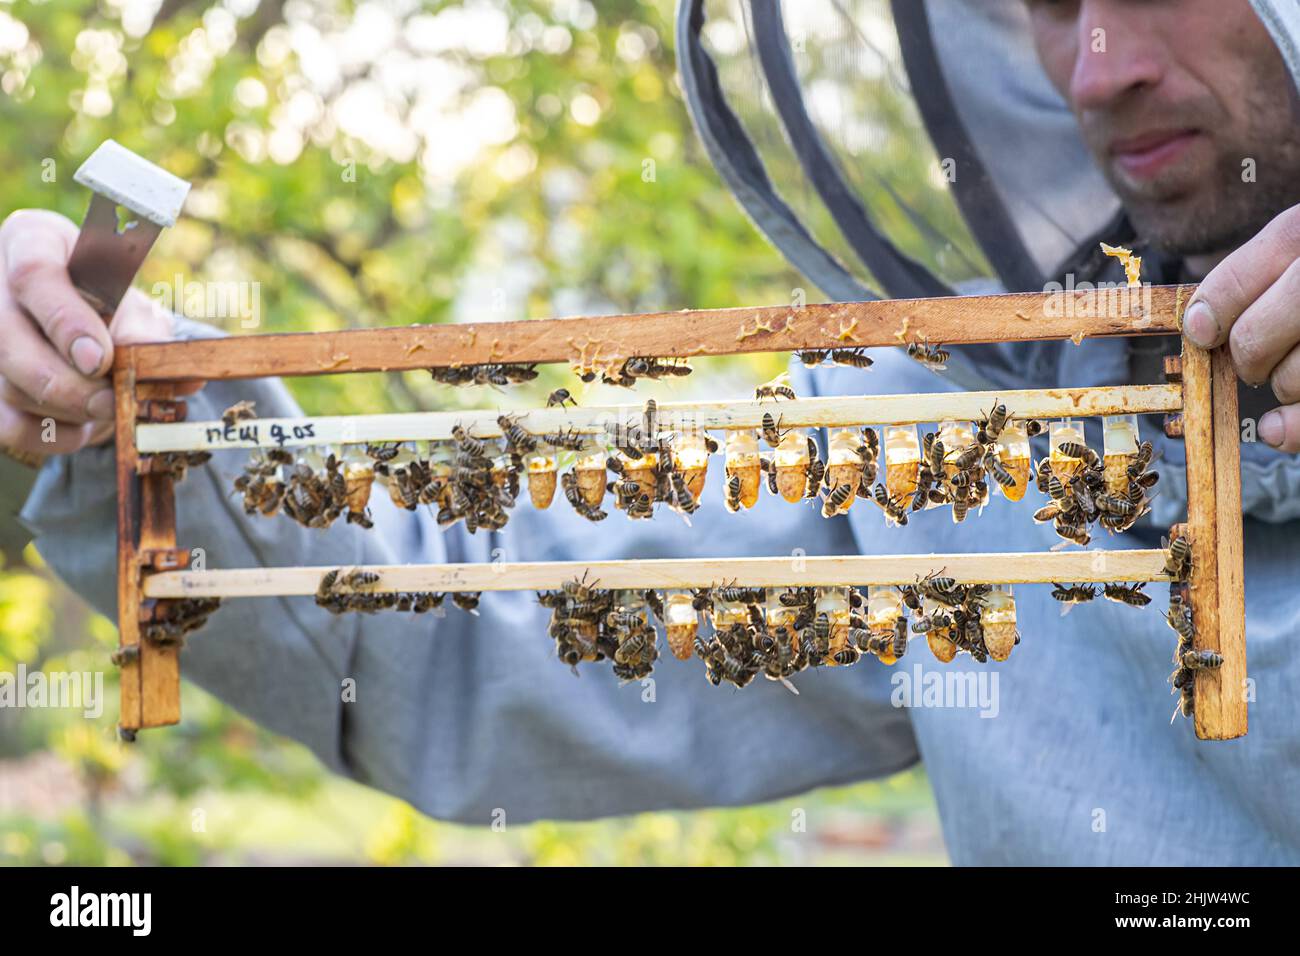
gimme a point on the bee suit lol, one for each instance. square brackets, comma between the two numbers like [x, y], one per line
[1064, 755]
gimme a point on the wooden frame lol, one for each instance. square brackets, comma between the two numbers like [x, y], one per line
[150, 567]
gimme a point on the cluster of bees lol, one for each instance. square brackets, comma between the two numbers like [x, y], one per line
[341, 591]
[797, 628]
[588, 625]
[958, 477]
[496, 374]
[1083, 494]
[167, 622]
[313, 497]
[1187, 660]
[637, 367]
[625, 375]
[176, 463]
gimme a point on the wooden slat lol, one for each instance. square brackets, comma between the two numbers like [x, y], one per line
[672, 573]
[128, 580]
[160, 676]
[834, 411]
[1150, 310]
[1202, 526]
[1221, 695]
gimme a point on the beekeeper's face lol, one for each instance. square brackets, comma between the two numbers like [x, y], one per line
[1187, 107]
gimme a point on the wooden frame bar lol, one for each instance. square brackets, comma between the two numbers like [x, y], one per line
[1206, 397]
[835, 411]
[1212, 435]
[149, 681]
[1029, 567]
[599, 340]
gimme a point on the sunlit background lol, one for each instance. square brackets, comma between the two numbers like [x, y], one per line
[369, 164]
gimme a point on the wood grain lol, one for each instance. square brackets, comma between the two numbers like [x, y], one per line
[128, 579]
[1202, 526]
[160, 680]
[833, 411]
[600, 340]
[673, 573]
[1221, 694]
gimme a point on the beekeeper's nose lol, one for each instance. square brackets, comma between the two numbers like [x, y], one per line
[1119, 49]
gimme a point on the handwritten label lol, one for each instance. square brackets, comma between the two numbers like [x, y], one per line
[250, 432]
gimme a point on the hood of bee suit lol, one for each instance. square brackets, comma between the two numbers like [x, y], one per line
[903, 148]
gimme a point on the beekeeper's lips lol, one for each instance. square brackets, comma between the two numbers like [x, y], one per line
[1147, 156]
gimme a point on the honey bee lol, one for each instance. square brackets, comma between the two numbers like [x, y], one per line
[359, 578]
[811, 358]
[1178, 563]
[650, 417]
[1127, 594]
[960, 507]
[816, 475]
[683, 499]
[967, 457]
[569, 484]
[382, 453]
[1074, 449]
[1062, 497]
[568, 440]
[934, 453]
[993, 465]
[900, 638]
[517, 440]
[925, 481]
[1072, 529]
[870, 439]
[1074, 593]
[835, 500]
[771, 428]
[426, 601]
[560, 397]
[1043, 476]
[516, 373]
[1033, 427]
[1140, 460]
[779, 387]
[731, 594]
[1047, 513]
[945, 590]
[932, 357]
[1146, 480]
[854, 358]
[931, 622]
[238, 412]
[1201, 660]
[911, 595]
[895, 510]
[466, 443]
[124, 655]
[1182, 624]
[733, 493]
[466, 601]
[991, 426]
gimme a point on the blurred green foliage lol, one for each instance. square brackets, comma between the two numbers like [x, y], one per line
[498, 159]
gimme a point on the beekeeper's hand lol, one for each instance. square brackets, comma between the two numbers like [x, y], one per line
[1251, 300]
[55, 351]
